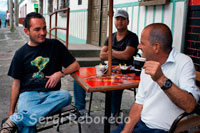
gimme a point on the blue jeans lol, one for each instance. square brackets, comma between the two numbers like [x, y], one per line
[80, 94]
[140, 127]
[34, 105]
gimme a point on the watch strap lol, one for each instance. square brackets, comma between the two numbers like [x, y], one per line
[167, 84]
[63, 74]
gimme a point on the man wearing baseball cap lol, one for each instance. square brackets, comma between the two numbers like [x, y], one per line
[124, 47]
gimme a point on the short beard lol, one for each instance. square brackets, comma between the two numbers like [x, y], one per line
[35, 42]
[122, 29]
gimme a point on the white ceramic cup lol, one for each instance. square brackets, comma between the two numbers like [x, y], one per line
[139, 62]
[100, 70]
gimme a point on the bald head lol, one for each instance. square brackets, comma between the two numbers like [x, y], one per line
[160, 33]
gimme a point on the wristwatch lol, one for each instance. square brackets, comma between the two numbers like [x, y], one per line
[167, 84]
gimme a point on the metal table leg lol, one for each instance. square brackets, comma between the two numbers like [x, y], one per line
[107, 111]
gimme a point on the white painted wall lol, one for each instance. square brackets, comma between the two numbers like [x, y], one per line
[74, 4]
[29, 7]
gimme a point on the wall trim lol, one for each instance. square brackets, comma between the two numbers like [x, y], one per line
[136, 4]
[154, 13]
[79, 10]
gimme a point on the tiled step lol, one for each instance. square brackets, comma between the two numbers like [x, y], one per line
[85, 53]
[88, 61]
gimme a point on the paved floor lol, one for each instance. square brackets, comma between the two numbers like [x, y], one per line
[9, 42]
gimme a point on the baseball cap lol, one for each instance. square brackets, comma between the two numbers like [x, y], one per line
[121, 13]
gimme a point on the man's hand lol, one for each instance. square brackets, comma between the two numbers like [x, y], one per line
[153, 68]
[104, 53]
[53, 79]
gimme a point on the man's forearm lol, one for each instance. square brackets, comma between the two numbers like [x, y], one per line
[14, 96]
[104, 56]
[121, 55]
[134, 117]
[71, 68]
[179, 97]
[125, 54]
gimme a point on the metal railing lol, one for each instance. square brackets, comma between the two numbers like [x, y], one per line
[56, 24]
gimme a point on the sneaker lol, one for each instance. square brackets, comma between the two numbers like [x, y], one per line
[115, 119]
[83, 112]
[80, 115]
[8, 127]
[112, 119]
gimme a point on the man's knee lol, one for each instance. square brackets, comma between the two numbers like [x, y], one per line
[65, 96]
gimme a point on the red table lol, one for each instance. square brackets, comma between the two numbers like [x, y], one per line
[87, 78]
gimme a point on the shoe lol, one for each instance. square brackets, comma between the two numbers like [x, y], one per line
[81, 115]
[8, 127]
[112, 119]
[83, 112]
[116, 119]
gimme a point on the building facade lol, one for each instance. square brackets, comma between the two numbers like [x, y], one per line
[85, 21]
[27, 6]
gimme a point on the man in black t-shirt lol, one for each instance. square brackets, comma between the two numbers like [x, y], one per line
[124, 42]
[124, 47]
[37, 71]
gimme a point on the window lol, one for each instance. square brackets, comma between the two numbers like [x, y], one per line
[64, 4]
[79, 2]
[50, 6]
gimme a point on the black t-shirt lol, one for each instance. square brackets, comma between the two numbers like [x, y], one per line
[31, 64]
[130, 39]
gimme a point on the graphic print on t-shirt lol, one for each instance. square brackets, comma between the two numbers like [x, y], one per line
[40, 62]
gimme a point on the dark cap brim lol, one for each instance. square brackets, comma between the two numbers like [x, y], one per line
[120, 15]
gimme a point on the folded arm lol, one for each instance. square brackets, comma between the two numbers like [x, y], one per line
[121, 55]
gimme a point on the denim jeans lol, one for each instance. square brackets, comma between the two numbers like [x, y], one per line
[80, 94]
[140, 127]
[34, 105]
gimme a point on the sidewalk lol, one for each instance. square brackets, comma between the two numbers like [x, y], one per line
[9, 43]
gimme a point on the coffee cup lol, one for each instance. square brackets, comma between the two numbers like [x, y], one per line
[139, 62]
[100, 70]
[123, 69]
